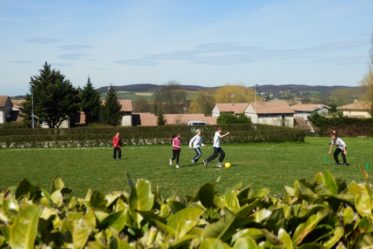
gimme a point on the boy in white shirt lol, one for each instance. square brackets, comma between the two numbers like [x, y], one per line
[196, 143]
[340, 147]
[217, 149]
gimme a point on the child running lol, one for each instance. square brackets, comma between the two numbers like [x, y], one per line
[196, 143]
[217, 149]
[176, 147]
[340, 147]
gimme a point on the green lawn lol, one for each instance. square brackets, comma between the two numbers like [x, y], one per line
[271, 165]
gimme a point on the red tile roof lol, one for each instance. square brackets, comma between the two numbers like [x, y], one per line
[307, 107]
[272, 107]
[236, 108]
[126, 105]
[356, 106]
[148, 119]
[4, 100]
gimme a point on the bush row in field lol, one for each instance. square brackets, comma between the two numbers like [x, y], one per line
[344, 125]
[79, 137]
[322, 213]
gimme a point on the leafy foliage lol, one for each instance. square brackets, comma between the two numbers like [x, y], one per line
[234, 94]
[227, 118]
[346, 126]
[204, 103]
[90, 102]
[321, 213]
[111, 113]
[54, 97]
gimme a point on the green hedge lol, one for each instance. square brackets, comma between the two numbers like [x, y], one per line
[79, 137]
[322, 213]
[344, 125]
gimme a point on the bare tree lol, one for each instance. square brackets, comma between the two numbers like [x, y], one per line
[367, 82]
[170, 98]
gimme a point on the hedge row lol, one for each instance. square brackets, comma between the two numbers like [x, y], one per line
[94, 137]
[323, 213]
[344, 125]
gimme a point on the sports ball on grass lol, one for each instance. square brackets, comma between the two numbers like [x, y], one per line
[227, 165]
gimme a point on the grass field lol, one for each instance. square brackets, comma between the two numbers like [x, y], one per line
[271, 165]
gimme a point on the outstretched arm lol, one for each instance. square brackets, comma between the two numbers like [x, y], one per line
[226, 134]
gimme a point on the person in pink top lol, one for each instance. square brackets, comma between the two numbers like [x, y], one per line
[176, 148]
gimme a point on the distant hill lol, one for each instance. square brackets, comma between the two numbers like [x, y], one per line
[147, 87]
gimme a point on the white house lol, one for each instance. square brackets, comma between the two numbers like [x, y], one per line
[5, 109]
[277, 113]
[127, 112]
[305, 110]
[357, 109]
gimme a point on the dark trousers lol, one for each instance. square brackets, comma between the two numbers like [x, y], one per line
[115, 150]
[217, 151]
[198, 154]
[336, 153]
[175, 155]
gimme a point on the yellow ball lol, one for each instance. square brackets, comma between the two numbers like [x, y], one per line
[227, 165]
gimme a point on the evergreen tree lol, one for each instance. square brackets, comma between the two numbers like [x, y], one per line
[55, 99]
[90, 102]
[161, 120]
[111, 113]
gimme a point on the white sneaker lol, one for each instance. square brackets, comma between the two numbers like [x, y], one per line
[205, 163]
[193, 162]
[219, 165]
[177, 166]
[170, 162]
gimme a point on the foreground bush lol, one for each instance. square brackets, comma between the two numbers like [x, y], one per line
[322, 213]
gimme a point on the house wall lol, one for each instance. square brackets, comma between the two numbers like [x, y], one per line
[277, 120]
[127, 120]
[359, 114]
[305, 115]
[5, 112]
[215, 112]
[2, 119]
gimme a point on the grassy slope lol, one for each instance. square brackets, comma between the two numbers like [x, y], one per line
[261, 164]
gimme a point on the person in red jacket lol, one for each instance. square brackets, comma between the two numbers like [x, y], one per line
[117, 143]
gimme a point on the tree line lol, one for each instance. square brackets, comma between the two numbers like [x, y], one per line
[52, 99]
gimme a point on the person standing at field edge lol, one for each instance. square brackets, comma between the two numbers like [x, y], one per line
[340, 147]
[196, 143]
[176, 148]
[117, 143]
[217, 149]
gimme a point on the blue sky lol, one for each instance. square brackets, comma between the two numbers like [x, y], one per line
[210, 43]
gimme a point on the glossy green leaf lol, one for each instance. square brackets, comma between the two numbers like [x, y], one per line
[145, 197]
[304, 229]
[184, 220]
[338, 234]
[23, 231]
[206, 195]
[285, 239]
[81, 225]
[246, 243]
[213, 243]
[328, 180]
[57, 184]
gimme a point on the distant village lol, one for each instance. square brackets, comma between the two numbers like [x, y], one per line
[274, 112]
